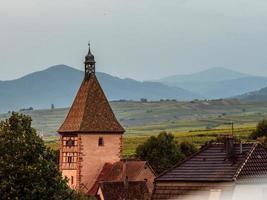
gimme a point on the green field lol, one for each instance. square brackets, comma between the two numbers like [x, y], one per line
[130, 142]
[197, 121]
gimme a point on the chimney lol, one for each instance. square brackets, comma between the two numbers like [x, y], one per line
[229, 147]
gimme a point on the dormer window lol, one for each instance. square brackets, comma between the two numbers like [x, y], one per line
[101, 141]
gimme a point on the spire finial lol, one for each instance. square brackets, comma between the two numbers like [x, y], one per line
[89, 47]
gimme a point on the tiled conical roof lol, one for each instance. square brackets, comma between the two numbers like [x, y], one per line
[90, 111]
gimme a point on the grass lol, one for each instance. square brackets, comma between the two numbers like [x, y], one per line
[196, 121]
[198, 137]
[152, 117]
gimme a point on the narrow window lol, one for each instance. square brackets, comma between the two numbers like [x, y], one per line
[69, 159]
[101, 141]
[71, 180]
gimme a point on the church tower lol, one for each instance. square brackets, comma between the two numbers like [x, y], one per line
[90, 136]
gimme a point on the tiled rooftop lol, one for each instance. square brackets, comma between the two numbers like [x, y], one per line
[118, 190]
[90, 111]
[211, 165]
[115, 172]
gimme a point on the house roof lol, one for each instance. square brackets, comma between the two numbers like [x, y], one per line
[254, 169]
[90, 111]
[115, 172]
[114, 190]
[211, 164]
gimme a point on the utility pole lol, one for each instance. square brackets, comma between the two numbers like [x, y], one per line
[232, 123]
[232, 126]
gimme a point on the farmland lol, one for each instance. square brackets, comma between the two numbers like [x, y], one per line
[196, 121]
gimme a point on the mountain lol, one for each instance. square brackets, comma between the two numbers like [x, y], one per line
[58, 84]
[259, 95]
[226, 88]
[209, 75]
[217, 83]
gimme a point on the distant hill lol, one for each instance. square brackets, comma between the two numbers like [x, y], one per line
[58, 84]
[217, 83]
[259, 95]
[209, 75]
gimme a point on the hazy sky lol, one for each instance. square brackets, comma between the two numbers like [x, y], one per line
[141, 39]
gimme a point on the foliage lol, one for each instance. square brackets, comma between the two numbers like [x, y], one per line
[162, 152]
[263, 140]
[27, 167]
[261, 130]
[187, 148]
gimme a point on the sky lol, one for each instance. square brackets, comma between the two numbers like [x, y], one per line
[140, 39]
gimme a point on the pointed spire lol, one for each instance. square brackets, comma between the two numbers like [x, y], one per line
[89, 63]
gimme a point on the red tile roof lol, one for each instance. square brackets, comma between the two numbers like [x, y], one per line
[117, 190]
[114, 172]
[90, 111]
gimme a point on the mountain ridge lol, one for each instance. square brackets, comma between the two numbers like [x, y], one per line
[58, 85]
[217, 83]
[258, 95]
[211, 74]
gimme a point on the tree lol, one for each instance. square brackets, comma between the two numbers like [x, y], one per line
[187, 148]
[27, 167]
[143, 100]
[261, 130]
[161, 152]
[263, 140]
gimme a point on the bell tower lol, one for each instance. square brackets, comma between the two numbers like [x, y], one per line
[90, 135]
[89, 63]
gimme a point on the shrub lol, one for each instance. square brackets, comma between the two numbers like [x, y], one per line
[162, 152]
[261, 130]
[187, 148]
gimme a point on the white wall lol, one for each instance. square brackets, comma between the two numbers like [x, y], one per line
[250, 192]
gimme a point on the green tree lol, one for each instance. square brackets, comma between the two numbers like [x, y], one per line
[161, 152]
[27, 167]
[187, 148]
[261, 130]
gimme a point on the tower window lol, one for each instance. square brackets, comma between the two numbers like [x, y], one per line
[71, 179]
[70, 143]
[101, 141]
[70, 159]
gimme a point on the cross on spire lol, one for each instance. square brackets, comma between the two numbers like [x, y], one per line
[89, 47]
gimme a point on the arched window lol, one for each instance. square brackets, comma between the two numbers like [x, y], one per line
[101, 141]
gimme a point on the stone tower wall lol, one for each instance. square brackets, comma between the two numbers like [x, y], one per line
[93, 157]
